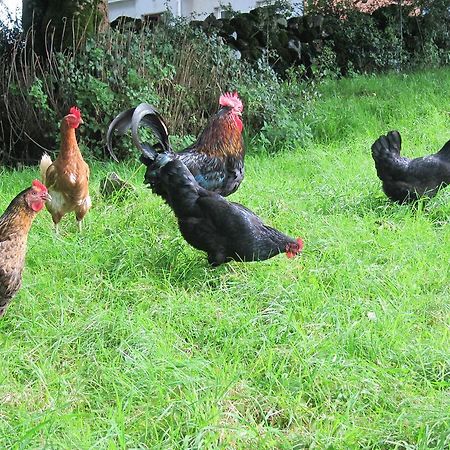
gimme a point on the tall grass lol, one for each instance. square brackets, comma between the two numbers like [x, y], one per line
[123, 337]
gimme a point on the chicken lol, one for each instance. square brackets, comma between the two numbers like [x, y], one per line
[405, 179]
[216, 159]
[224, 230]
[67, 178]
[15, 223]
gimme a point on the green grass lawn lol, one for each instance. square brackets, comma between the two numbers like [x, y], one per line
[123, 337]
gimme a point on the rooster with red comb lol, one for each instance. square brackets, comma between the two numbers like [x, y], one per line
[215, 159]
[67, 178]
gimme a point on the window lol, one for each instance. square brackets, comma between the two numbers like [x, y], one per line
[151, 18]
[260, 3]
[223, 12]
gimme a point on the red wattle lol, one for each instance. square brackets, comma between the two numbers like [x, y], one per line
[239, 124]
[37, 206]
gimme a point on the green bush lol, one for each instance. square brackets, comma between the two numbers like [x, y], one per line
[182, 71]
[401, 38]
[177, 68]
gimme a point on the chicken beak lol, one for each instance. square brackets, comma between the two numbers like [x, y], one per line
[81, 120]
[47, 197]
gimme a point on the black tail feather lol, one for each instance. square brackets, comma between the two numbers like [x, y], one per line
[132, 118]
[121, 123]
[389, 144]
[147, 115]
[149, 154]
[180, 188]
[395, 142]
[445, 150]
[386, 154]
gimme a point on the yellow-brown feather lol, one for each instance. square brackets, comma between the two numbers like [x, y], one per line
[67, 179]
[15, 224]
[221, 137]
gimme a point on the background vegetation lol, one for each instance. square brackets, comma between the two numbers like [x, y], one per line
[182, 68]
[123, 337]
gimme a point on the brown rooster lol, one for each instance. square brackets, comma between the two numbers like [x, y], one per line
[15, 223]
[216, 159]
[67, 178]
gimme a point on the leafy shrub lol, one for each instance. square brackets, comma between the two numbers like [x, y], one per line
[173, 66]
[393, 37]
[182, 70]
[277, 109]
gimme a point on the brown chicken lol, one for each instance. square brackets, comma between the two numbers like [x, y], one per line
[67, 178]
[15, 223]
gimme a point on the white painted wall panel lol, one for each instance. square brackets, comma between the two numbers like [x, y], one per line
[201, 8]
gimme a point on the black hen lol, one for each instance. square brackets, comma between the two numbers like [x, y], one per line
[224, 230]
[216, 159]
[405, 179]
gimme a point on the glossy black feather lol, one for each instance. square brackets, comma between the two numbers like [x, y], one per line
[407, 179]
[224, 230]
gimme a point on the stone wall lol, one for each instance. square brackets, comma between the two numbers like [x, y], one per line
[363, 41]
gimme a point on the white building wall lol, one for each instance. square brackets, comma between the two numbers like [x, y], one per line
[199, 8]
[202, 8]
[139, 8]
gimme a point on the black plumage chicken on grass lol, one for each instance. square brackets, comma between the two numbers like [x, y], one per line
[404, 179]
[224, 230]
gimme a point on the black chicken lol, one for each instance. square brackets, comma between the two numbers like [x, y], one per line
[404, 179]
[216, 159]
[224, 230]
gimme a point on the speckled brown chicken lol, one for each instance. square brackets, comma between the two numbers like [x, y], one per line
[15, 223]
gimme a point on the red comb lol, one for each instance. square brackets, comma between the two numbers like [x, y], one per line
[291, 251]
[75, 111]
[232, 100]
[39, 186]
